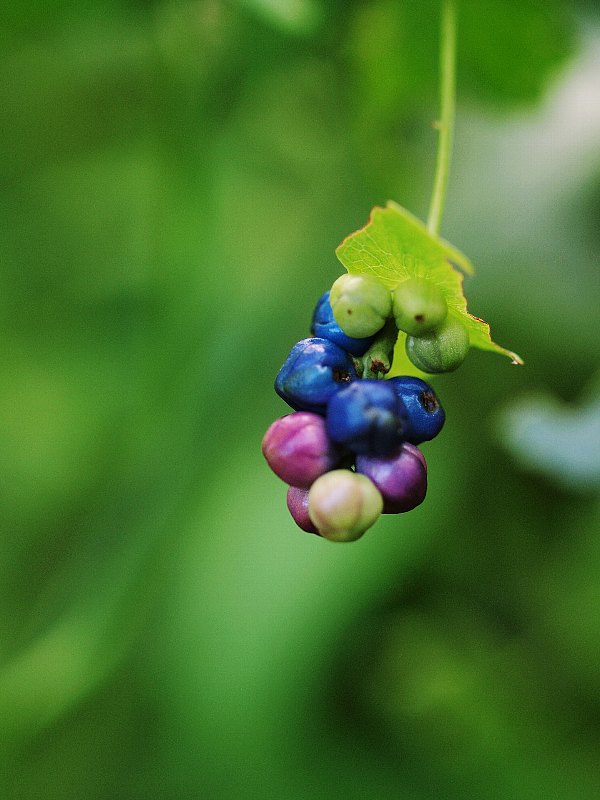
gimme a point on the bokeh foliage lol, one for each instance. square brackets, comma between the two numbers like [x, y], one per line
[175, 177]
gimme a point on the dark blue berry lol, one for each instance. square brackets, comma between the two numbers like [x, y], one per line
[325, 326]
[367, 417]
[424, 415]
[314, 371]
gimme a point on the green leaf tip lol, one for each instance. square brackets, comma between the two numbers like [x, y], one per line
[395, 245]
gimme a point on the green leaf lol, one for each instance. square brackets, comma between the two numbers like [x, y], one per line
[394, 245]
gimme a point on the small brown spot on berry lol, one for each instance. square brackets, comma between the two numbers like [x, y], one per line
[419, 318]
[429, 402]
[340, 376]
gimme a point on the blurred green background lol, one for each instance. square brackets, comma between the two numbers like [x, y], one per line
[176, 175]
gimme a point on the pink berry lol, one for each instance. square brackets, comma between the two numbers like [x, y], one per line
[297, 503]
[298, 449]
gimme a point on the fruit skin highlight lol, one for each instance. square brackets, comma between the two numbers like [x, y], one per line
[401, 478]
[342, 505]
[425, 416]
[314, 371]
[325, 326]
[367, 417]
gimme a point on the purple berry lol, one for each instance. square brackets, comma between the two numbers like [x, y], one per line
[297, 503]
[401, 477]
[298, 449]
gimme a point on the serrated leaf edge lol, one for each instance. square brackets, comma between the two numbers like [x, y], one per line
[457, 260]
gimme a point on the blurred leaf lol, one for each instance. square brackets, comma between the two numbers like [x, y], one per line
[299, 17]
[510, 49]
[394, 245]
[557, 440]
[507, 51]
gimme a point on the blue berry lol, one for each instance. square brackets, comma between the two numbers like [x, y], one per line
[325, 326]
[367, 417]
[425, 415]
[314, 371]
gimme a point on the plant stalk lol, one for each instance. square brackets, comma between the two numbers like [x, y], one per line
[445, 124]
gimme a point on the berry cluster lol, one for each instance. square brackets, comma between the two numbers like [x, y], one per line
[436, 341]
[349, 451]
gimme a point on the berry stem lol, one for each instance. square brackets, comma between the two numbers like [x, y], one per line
[377, 361]
[445, 124]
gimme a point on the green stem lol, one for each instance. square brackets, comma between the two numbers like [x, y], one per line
[445, 124]
[377, 361]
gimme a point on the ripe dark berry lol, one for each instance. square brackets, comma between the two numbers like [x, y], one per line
[298, 449]
[425, 416]
[367, 417]
[401, 477]
[325, 326]
[314, 371]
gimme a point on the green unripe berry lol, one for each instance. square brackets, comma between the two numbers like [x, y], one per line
[418, 306]
[343, 504]
[442, 350]
[360, 305]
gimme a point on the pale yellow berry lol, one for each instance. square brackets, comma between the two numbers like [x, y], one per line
[343, 505]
